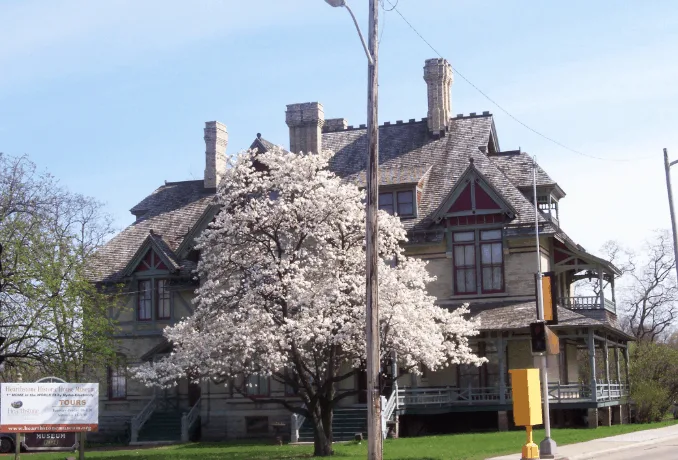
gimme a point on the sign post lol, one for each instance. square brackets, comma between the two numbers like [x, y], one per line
[43, 408]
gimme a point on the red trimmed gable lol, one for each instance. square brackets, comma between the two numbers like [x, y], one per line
[485, 201]
[151, 261]
[463, 202]
[468, 201]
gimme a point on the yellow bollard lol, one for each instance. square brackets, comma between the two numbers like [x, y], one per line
[527, 406]
[530, 449]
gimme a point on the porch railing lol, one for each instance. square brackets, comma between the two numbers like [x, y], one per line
[453, 396]
[387, 411]
[142, 417]
[587, 303]
[188, 419]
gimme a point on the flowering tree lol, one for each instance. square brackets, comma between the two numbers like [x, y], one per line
[283, 290]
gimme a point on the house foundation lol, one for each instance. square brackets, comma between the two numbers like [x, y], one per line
[502, 420]
[605, 416]
[592, 416]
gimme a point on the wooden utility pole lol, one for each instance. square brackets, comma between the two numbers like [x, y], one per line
[667, 166]
[374, 434]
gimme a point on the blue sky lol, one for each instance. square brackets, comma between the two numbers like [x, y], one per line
[111, 96]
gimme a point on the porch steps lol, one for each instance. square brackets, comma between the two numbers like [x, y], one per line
[161, 426]
[346, 422]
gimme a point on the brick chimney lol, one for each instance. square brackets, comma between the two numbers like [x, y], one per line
[305, 122]
[438, 76]
[216, 140]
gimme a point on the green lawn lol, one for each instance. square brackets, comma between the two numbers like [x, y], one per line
[473, 446]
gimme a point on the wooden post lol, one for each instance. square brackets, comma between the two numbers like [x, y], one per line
[607, 367]
[17, 446]
[602, 287]
[616, 360]
[374, 438]
[592, 364]
[81, 445]
[667, 166]
[626, 359]
[501, 345]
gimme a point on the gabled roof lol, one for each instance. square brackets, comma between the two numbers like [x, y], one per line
[171, 211]
[407, 146]
[153, 242]
[470, 174]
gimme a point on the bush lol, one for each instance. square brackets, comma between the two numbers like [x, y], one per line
[654, 380]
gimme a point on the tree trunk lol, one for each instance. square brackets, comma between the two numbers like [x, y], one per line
[322, 444]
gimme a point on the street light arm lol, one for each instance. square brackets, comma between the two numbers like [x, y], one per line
[357, 27]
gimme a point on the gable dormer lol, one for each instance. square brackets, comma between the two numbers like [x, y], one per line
[474, 201]
[548, 197]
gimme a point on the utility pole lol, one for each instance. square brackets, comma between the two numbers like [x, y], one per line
[667, 166]
[547, 448]
[374, 434]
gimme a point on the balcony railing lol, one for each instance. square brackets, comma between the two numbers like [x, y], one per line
[587, 303]
[454, 396]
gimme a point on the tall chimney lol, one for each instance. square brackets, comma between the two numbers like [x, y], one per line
[305, 122]
[438, 76]
[216, 140]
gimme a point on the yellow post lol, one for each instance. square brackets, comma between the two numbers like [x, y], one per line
[530, 449]
[525, 387]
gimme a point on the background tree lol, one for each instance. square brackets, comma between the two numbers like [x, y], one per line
[283, 290]
[647, 292]
[53, 317]
[654, 380]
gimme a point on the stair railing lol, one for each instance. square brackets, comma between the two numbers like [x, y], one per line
[386, 414]
[142, 417]
[295, 425]
[188, 419]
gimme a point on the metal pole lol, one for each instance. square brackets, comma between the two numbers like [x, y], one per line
[667, 166]
[547, 448]
[374, 435]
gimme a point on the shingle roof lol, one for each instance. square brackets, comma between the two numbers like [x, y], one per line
[518, 168]
[503, 316]
[409, 146]
[171, 211]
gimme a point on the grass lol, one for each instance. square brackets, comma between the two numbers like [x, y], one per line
[473, 446]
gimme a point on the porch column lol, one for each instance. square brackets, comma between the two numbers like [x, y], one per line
[601, 285]
[501, 352]
[607, 367]
[626, 359]
[592, 364]
[394, 368]
[616, 360]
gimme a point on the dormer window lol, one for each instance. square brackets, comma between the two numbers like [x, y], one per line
[400, 202]
[548, 205]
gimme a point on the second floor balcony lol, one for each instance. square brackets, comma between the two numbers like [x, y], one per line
[596, 302]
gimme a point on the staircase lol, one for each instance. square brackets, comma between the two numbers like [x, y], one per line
[161, 427]
[346, 422]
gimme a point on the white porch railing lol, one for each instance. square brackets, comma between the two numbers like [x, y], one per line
[188, 419]
[142, 417]
[453, 396]
[591, 302]
[387, 411]
[296, 422]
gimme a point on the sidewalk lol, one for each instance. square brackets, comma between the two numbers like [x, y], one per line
[603, 446]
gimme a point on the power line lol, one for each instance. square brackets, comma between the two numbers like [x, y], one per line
[500, 107]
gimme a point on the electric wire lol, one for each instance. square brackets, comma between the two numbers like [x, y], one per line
[500, 107]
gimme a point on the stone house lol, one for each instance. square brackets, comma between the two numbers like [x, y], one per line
[468, 208]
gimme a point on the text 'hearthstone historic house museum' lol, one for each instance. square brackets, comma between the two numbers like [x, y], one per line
[467, 206]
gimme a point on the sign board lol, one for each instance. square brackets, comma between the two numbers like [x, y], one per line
[50, 441]
[49, 407]
[550, 299]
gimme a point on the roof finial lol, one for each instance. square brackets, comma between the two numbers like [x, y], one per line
[151, 232]
[258, 135]
[470, 160]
